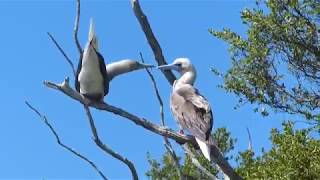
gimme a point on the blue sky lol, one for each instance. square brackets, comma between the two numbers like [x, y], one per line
[28, 58]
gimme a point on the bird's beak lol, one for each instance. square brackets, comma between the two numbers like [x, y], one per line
[92, 33]
[169, 66]
[146, 65]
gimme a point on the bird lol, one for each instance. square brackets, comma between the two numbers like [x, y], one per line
[124, 66]
[190, 109]
[93, 75]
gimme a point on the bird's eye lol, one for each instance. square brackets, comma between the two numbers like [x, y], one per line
[179, 64]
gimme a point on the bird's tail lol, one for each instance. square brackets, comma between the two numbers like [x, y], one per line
[205, 148]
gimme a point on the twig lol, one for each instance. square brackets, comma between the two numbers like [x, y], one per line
[160, 130]
[250, 140]
[76, 27]
[197, 163]
[106, 149]
[47, 123]
[63, 53]
[167, 143]
[153, 42]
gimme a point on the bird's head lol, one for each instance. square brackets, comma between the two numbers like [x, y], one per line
[181, 65]
[93, 40]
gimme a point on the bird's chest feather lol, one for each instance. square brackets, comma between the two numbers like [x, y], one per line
[90, 77]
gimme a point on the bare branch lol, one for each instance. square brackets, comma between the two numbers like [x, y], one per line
[47, 123]
[148, 125]
[153, 42]
[76, 27]
[105, 148]
[163, 131]
[155, 87]
[197, 163]
[167, 143]
[250, 140]
[63, 53]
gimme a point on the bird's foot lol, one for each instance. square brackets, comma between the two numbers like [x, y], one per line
[181, 131]
[101, 101]
[85, 101]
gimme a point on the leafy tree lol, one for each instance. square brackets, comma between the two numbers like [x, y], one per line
[277, 65]
[294, 155]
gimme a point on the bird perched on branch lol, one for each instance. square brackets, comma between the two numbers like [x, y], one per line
[93, 76]
[191, 110]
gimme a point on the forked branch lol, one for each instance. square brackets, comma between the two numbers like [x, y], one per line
[53, 131]
[105, 148]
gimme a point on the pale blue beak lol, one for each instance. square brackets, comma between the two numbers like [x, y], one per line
[169, 66]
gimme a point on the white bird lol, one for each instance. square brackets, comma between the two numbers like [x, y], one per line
[191, 110]
[91, 77]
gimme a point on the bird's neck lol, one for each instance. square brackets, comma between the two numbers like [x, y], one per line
[188, 77]
[122, 67]
[89, 56]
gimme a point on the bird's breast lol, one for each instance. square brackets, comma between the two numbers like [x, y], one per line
[90, 77]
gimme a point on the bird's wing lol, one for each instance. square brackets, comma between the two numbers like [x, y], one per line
[76, 81]
[103, 71]
[195, 112]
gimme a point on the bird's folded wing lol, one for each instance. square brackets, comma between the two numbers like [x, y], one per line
[197, 112]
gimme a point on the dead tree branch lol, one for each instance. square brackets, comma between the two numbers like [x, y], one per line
[47, 123]
[160, 130]
[65, 88]
[76, 28]
[105, 148]
[63, 53]
[153, 42]
[167, 143]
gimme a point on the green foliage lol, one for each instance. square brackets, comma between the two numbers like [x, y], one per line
[224, 141]
[294, 155]
[166, 169]
[277, 64]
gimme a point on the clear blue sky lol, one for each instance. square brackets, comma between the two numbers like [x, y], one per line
[28, 58]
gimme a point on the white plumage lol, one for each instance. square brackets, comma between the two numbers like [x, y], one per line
[189, 107]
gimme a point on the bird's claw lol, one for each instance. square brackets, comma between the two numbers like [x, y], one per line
[85, 101]
[181, 131]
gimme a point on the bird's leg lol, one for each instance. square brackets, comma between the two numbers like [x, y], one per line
[101, 101]
[181, 130]
[86, 101]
